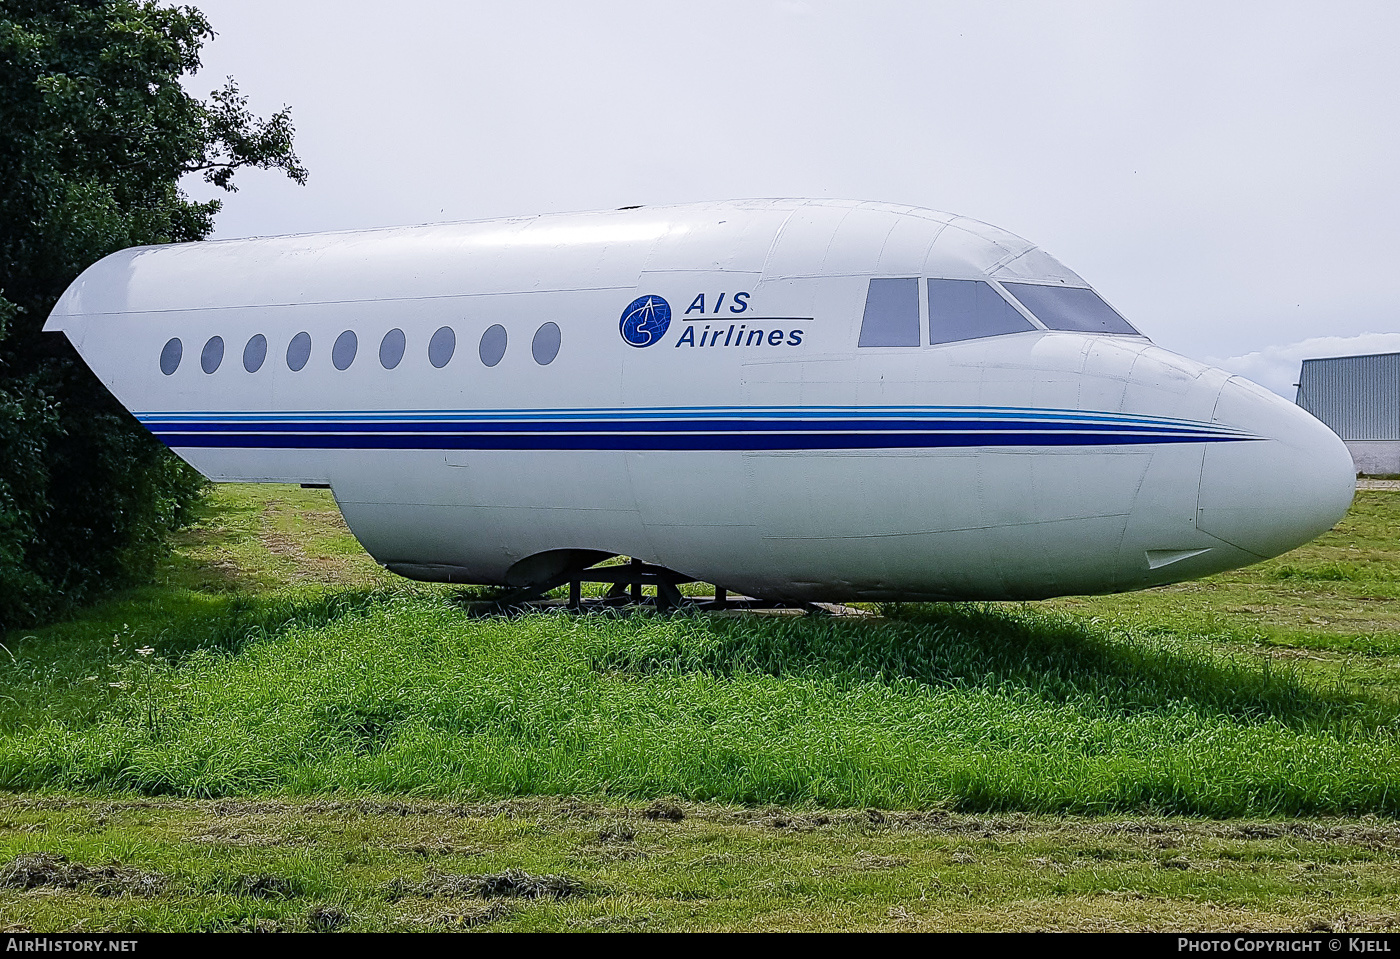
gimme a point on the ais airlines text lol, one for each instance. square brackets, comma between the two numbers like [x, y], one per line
[646, 320]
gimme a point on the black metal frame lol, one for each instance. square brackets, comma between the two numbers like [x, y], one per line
[628, 580]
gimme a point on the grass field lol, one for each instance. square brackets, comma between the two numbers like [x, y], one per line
[236, 747]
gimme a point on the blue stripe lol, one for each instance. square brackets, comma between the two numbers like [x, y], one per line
[662, 414]
[656, 441]
[679, 428]
[672, 426]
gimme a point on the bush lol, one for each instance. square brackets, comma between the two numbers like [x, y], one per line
[95, 133]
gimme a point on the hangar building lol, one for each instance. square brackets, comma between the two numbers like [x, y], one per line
[1359, 398]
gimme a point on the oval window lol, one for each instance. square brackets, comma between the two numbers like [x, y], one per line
[255, 353]
[170, 356]
[213, 354]
[545, 346]
[298, 351]
[442, 346]
[343, 352]
[493, 345]
[391, 349]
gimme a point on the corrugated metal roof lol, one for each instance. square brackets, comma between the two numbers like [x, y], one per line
[1357, 396]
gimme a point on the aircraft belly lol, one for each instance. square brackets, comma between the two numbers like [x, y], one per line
[981, 523]
[481, 511]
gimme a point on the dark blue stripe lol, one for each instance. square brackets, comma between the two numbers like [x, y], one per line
[670, 426]
[662, 441]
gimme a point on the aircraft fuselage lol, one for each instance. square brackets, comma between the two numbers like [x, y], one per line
[797, 400]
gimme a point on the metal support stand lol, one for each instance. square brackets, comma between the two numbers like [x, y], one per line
[626, 582]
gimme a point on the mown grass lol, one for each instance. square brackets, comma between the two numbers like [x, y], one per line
[395, 864]
[224, 683]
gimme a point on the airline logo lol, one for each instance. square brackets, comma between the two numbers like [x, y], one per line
[645, 320]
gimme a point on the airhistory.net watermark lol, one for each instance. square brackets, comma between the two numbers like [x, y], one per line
[57, 944]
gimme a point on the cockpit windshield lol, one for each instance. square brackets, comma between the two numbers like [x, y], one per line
[969, 309]
[1070, 308]
[972, 309]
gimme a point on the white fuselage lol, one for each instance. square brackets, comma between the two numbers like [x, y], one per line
[800, 400]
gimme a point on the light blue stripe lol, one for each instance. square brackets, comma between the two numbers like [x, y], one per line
[662, 414]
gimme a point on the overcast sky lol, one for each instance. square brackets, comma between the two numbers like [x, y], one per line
[1225, 173]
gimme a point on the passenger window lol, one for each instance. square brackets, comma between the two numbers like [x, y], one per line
[213, 354]
[545, 346]
[255, 353]
[391, 349]
[493, 345]
[344, 350]
[968, 310]
[891, 313]
[442, 346]
[299, 351]
[1070, 308]
[170, 356]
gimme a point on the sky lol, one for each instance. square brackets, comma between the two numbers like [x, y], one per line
[1225, 173]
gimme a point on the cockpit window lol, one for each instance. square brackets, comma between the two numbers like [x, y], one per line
[1070, 308]
[891, 313]
[969, 309]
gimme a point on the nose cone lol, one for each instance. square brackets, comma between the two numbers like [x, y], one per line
[1271, 494]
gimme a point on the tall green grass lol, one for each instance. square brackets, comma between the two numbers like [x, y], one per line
[959, 707]
[69, 672]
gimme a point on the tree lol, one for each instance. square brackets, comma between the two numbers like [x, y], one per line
[95, 135]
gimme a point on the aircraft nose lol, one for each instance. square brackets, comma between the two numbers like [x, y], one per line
[1273, 493]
